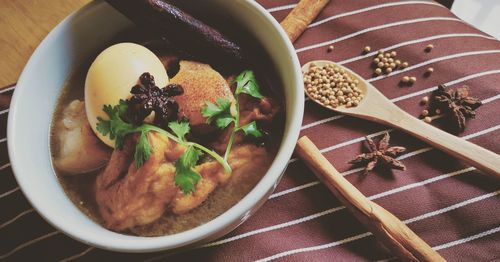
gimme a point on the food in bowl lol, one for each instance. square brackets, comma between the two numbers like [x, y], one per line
[152, 138]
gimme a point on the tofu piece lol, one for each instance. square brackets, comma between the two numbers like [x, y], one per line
[78, 148]
[201, 84]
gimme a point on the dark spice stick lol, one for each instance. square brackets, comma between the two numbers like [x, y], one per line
[183, 30]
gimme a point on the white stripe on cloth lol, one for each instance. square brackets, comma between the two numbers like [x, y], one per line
[435, 60]
[467, 239]
[335, 209]
[9, 192]
[17, 217]
[366, 234]
[359, 139]
[4, 166]
[26, 244]
[79, 255]
[363, 235]
[416, 152]
[410, 95]
[370, 29]
[415, 41]
[366, 9]
[354, 12]
[457, 242]
[280, 8]
[7, 89]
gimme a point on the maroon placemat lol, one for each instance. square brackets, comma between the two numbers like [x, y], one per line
[452, 206]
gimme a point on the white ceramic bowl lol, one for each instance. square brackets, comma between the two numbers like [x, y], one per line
[77, 38]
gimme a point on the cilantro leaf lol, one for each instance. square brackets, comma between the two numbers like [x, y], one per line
[142, 150]
[180, 129]
[115, 127]
[103, 126]
[185, 177]
[246, 83]
[251, 129]
[220, 113]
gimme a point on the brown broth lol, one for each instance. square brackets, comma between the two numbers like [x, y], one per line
[80, 188]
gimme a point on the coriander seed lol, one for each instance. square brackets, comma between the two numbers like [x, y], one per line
[429, 47]
[427, 119]
[425, 112]
[438, 111]
[424, 100]
[367, 49]
[413, 80]
[388, 70]
[405, 79]
[429, 70]
[393, 54]
[378, 71]
[330, 49]
[404, 64]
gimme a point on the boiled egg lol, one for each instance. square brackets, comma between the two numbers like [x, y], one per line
[111, 76]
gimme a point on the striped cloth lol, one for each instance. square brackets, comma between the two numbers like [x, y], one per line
[453, 207]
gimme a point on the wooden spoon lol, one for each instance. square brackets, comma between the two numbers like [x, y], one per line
[376, 107]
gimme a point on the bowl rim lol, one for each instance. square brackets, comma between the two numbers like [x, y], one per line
[231, 216]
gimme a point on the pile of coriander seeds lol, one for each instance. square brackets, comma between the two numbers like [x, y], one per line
[387, 62]
[332, 86]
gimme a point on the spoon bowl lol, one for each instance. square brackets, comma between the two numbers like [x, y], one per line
[374, 106]
[342, 108]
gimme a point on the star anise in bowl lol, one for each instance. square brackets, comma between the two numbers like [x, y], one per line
[380, 155]
[147, 98]
[457, 105]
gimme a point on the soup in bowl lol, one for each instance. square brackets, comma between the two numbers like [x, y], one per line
[141, 140]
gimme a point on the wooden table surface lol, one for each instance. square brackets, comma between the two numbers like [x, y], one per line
[23, 24]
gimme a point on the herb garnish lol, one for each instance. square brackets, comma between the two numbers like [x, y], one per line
[185, 176]
[221, 114]
[117, 128]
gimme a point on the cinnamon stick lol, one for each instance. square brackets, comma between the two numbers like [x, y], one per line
[181, 29]
[301, 16]
[388, 229]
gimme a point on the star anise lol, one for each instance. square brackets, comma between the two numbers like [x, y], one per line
[147, 97]
[380, 155]
[456, 104]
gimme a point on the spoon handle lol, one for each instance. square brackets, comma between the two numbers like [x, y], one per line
[472, 154]
[388, 229]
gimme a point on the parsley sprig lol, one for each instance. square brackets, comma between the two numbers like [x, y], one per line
[221, 114]
[117, 128]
